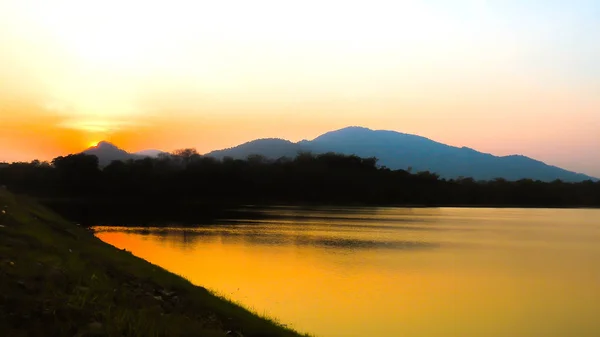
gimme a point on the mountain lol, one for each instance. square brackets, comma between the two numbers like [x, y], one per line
[107, 152]
[149, 153]
[397, 150]
[268, 147]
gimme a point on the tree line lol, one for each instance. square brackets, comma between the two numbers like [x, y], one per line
[308, 178]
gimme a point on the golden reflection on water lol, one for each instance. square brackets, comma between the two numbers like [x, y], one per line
[396, 272]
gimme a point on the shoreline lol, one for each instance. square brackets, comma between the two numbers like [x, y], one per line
[142, 213]
[59, 279]
[235, 204]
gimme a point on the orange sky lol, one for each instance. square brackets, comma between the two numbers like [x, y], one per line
[500, 77]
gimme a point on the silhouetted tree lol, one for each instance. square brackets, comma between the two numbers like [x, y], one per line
[78, 173]
[329, 178]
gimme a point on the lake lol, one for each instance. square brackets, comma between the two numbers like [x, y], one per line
[394, 271]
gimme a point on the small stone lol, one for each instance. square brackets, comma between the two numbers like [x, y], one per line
[166, 293]
[158, 298]
[95, 325]
[95, 329]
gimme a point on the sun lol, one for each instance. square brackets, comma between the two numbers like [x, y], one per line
[93, 144]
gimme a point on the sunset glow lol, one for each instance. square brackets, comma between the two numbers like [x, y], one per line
[502, 77]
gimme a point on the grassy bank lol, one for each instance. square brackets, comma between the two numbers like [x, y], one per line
[57, 279]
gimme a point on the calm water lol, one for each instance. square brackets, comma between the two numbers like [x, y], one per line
[395, 271]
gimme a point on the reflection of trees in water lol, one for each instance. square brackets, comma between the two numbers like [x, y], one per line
[335, 215]
[144, 232]
[307, 226]
[187, 238]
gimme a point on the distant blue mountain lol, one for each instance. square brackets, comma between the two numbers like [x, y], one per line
[268, 147]
[397, 150]
[150, 153]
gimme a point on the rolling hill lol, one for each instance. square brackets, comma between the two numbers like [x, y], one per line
[397, 150]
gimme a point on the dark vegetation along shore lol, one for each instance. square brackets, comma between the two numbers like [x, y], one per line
[57, 279]
[186, 177]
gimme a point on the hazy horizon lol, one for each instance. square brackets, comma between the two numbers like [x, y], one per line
[501, 77]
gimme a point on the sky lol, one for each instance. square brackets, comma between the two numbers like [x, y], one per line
[503, 77]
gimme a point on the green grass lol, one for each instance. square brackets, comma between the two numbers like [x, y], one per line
[57, 279]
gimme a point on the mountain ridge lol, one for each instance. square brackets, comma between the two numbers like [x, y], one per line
[108, 152]
[394, 150]
[397, 150]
